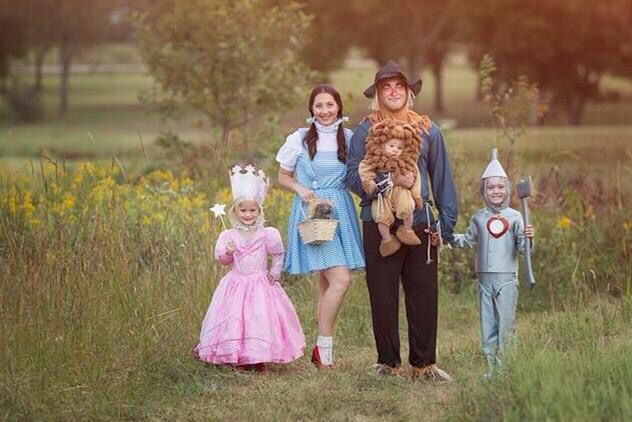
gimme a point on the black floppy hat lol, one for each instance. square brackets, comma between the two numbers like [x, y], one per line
[390, 70]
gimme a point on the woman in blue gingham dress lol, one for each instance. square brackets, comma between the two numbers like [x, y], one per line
[312, 164]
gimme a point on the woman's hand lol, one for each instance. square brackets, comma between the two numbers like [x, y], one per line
[230, 248]
[286, 179]
[528, 231]
[404, 180]
[305, 194]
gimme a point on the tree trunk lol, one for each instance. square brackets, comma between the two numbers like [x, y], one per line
[39, 64]
[224, 147]
[4, 74]
[478, 95]
[65, 58]
[225, 136]
[437, 71]
[575, 110]
[414, 62]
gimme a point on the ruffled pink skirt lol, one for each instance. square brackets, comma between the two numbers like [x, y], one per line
[250, 321]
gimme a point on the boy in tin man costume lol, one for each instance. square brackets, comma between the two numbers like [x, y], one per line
[498, 234]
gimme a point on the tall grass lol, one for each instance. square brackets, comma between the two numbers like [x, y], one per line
[569, 366]
[107, 275]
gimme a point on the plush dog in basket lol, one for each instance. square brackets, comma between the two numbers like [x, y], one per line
[318, 227]
[320, 209]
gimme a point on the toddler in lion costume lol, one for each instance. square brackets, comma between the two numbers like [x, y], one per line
[392, 148]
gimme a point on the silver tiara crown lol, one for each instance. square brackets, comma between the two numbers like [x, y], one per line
[248, 183]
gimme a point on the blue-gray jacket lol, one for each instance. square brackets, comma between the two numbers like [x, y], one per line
[494, 255]
[433, 165]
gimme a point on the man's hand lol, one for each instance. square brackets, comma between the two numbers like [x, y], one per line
[404, 180]
[434, 237]
[369, 187]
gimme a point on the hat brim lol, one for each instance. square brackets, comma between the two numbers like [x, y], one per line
[415, 87]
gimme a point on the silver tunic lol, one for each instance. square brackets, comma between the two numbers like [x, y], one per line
[494, 255]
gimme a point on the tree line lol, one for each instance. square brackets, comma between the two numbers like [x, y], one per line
[565, 46]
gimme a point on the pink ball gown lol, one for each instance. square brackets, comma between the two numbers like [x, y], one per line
[249, 320]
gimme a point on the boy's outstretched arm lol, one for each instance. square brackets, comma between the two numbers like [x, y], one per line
[467, 239]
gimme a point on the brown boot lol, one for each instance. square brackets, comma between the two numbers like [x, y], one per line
[430, 373]
[407, 236]
[389, 247]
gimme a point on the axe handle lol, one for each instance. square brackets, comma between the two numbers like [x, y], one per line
[527, 254]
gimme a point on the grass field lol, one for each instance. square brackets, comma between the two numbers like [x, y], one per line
[107, 276]
[106, 115]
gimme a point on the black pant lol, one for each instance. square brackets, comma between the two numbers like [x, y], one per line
[419, 281]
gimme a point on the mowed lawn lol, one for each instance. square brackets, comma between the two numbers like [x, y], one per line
[106, 115]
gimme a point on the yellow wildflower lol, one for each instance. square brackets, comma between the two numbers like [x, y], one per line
[68, 202]
[159, 176]
[563, 223]
[223, 196]
[27, 205]
[13, 205]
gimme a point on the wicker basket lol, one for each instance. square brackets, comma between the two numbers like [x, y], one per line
[317, 231]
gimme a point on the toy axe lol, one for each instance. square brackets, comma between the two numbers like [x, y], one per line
[524, 192]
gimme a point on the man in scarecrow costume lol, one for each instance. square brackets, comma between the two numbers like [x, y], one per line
[415, 265]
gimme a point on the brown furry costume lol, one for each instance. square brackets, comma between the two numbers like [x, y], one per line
[397, 199]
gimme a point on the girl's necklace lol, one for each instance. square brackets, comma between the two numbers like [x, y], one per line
[243, 227]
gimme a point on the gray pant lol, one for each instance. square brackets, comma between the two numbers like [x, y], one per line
[497, 299]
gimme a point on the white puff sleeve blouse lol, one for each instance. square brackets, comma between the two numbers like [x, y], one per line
[289, 151]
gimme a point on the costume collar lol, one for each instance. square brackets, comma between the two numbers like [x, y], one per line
[332, 128]
[242, 227]
[405, 115]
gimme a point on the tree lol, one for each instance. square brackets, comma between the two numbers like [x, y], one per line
[564, 46]
[417, 32]
[329, 36]
[78, 25]
[232, 60]
[12, 40]
[512, 106]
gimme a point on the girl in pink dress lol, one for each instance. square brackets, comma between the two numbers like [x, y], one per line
[251, 320]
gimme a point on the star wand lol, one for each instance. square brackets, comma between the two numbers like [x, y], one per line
[218, 210]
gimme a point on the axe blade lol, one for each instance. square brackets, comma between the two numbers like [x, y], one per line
[524, 187]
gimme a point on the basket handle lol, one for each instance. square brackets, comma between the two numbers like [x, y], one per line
[305, 218]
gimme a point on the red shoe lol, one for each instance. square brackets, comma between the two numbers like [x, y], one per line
[316, 359]
[244, 367]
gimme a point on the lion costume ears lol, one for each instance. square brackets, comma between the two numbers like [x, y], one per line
[391, 128]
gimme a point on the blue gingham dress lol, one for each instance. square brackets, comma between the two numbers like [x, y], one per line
[324, 175]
